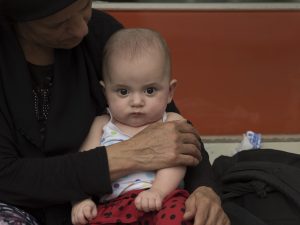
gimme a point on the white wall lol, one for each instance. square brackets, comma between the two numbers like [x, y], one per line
[227, 145]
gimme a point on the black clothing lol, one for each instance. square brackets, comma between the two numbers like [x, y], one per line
[43, 177]
[260, 187]
[42, 81]
[33, 175]
[201, 175]
[32, 9]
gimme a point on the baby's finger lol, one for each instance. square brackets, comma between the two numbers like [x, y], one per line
[94, 212]
[137, 203]
[87, 212]
[152, 204]
[158, 204]
[145, 204]
[81, 219]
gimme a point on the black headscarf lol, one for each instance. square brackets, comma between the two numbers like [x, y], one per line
[27, 10]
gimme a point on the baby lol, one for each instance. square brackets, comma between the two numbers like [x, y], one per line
[138, 86]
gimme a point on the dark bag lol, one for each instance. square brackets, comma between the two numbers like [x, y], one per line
[260, 187]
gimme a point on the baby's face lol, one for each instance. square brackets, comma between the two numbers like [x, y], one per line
[138, 90]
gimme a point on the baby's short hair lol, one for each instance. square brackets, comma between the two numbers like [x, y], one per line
[133, 42]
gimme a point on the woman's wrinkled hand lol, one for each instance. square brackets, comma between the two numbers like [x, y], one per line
[158, 146]
[204, 206]
[175, 143]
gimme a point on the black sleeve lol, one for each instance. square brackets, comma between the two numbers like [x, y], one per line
[202, 174]
[36, 182]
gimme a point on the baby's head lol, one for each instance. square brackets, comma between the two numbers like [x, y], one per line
[131, 44]
[137, 76]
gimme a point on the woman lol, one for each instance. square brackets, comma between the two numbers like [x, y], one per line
[49, 95]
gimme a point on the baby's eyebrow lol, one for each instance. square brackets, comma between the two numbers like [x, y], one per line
[120, 86]
[152, 83]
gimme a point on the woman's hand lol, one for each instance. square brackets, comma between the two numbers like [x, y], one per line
[204, 206]
[158, 146]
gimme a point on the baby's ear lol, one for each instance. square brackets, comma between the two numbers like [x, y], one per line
[102, 84]
[172, 87]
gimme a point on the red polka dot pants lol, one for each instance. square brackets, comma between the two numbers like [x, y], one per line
[123, 211]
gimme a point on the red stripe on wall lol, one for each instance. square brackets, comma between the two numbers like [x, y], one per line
[236, 70]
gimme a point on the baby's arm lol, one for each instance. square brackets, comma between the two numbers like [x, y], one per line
[166, 180]
[93, 138]
[85, 210]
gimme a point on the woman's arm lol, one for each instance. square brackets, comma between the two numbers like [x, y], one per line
[36, 181]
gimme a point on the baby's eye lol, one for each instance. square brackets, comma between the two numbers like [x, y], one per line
[123, 92]
[150, 90]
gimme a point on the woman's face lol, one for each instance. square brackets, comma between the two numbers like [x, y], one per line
[64, 29]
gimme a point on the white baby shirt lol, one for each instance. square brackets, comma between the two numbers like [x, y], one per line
[136, 181]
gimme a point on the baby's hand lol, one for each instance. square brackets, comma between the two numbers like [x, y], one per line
[83, 212]
[148, 200]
